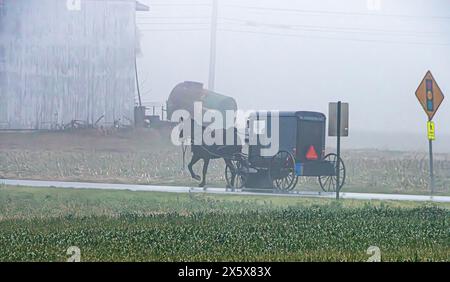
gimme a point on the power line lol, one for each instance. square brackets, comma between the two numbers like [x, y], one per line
[340, 13]
[178, 17]
[336, 38]
[310, 28]
[297, 27]
[323, 28]
[300, 36]
[172, 23]
[180, 4]
[178, 29]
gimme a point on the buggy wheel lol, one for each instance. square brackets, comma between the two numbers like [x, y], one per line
[282, 171]
[236, 175]
[328, 183]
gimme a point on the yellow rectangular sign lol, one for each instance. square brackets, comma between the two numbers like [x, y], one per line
[431, 131]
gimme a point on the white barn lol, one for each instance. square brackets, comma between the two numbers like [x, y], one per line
[66, 60]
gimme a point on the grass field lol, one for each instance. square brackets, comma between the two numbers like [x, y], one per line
[145, 157]
[41, 224]
[38, 224]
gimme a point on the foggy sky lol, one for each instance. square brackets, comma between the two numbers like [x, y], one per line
[305, 54]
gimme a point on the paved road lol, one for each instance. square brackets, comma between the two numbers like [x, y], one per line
[178, 189]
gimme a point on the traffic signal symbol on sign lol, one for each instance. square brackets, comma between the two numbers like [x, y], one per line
[429, 86]
[429, 95]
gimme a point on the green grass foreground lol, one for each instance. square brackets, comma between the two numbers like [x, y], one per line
[40, 224]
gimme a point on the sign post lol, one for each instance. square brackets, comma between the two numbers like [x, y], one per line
[431, 138]
[338, 147]
[430, 97]
[338, 126]
[430, 148]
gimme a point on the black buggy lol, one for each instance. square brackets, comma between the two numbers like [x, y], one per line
[301, 153]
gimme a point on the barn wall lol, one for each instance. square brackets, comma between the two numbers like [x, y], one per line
[59, 64]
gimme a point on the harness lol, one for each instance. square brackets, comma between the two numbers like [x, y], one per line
[187, 141]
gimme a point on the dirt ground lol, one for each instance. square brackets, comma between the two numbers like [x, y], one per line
[146, 156]
[130, 140]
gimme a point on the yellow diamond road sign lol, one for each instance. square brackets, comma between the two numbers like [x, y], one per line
[429, 95]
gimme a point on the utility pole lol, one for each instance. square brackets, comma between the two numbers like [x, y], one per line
[212, 56]
[137, 80]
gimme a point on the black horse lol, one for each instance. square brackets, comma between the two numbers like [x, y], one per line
[210, 152]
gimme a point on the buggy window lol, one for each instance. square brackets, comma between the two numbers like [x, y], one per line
[288, 133]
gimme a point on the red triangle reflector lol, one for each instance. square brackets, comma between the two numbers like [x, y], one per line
[311, 154]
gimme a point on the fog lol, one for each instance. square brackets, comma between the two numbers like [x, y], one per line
[300, 55]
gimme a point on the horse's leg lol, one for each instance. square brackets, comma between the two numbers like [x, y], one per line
[233, 173]
[205, 170]
[193, 161]
[228, 185]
